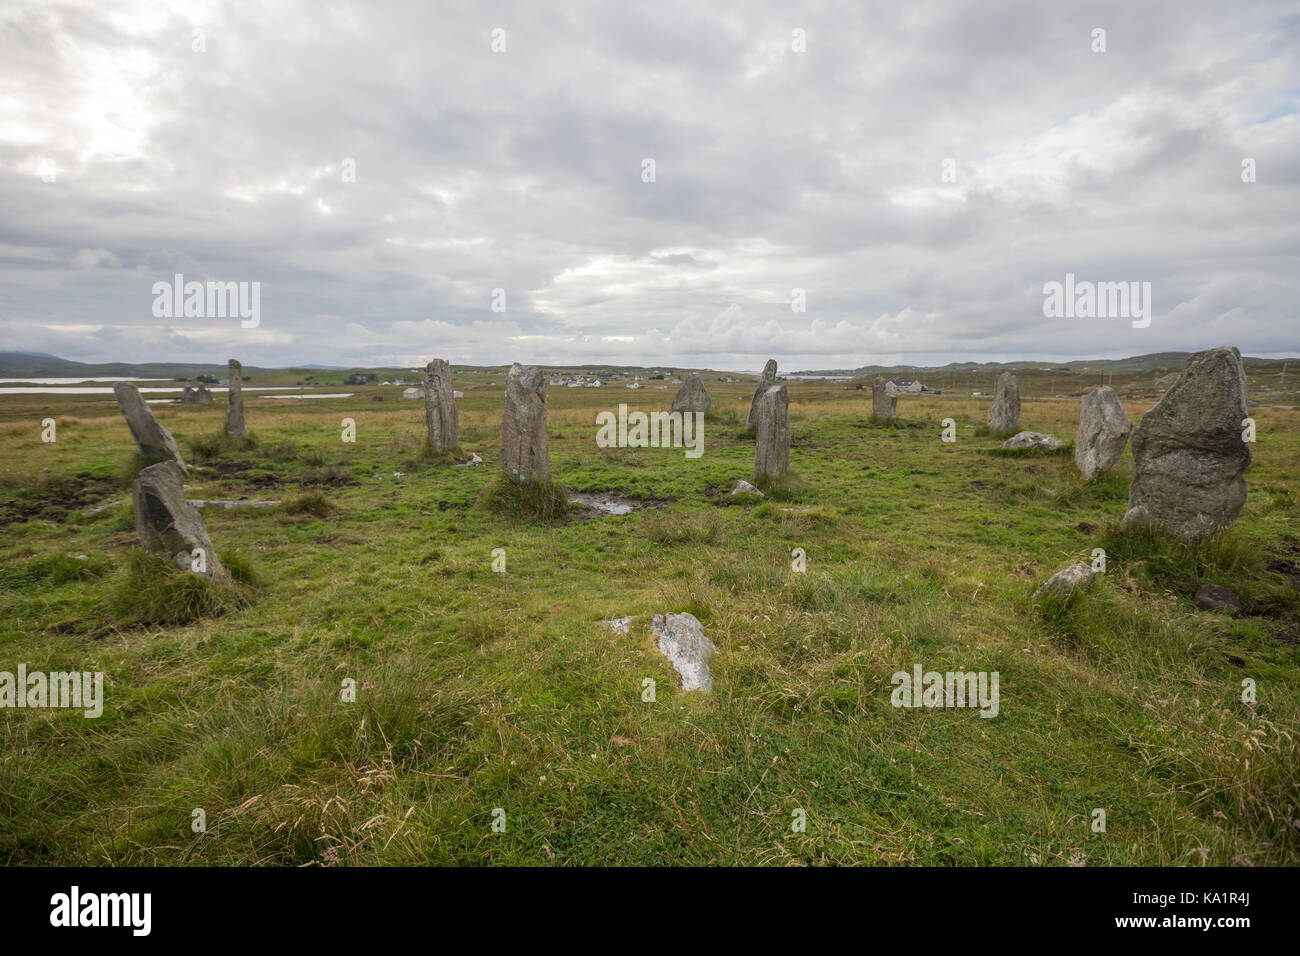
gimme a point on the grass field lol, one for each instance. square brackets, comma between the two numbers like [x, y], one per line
[479, 691]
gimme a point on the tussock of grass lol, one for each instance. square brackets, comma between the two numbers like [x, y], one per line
[156, 593]
[1064, 451]
[214, 445]
[537, 500]
[332, 474]
[666, 528]
[54, 570]
[724, 417]
[786, 488]
[308, 503]
[448, 456]
[135, 464]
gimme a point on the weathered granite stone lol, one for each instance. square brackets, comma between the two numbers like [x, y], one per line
[170, 526]
[196, 396]
[523, 425]
[683, 642]
[1063, 583]
[1032, 440]
[235, 426]
[692, 396]
[884, 402]
[151, 438]
[1189, 459]
[440, 416]
[766, 381]
[1004, 415]
[772, 443]
[412, 394]
[1103, 431]
[1215, 597]
[745, 488]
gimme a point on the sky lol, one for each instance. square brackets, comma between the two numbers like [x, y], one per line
[470, 180]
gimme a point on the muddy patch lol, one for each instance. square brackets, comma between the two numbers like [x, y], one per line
[55, 500]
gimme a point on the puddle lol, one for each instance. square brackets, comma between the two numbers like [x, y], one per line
[602, 504]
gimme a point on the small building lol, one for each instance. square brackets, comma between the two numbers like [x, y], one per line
[413, 393]
[904, 386]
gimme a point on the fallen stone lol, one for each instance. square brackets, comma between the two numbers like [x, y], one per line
[201, 503]
[1032, 440]
[1063, 583]
[524, 456]
[1215, 597]
[619, 625]
[1004, 415]
[170, 526]
[1189, 460]
[692, 396]
[745, 488]
[772, 444]
[474, 460]
[683, 642]
[765, 381]
[1102, 433]
[151, 438]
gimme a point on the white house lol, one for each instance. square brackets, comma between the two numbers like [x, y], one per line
[903, 386]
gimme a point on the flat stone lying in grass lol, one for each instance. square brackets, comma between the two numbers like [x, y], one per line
[1215, 597]
[745, 488]
[619, 625]
[104, 507]
[1032, 440]
[220, 503]
[170, 526]
[1064, 583]
[473, 461]
[683, 642]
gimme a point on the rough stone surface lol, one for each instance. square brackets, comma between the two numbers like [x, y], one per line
[412, 394]
[235, 426]
[440, 416]
[170, 526]
[197, 395]
[772, 444]
[1004, 416]
[1032, 440]
[151, 438]
[1103, 431]
[884, 403]
[1189, 460]
[745, 488]
[1062, 583]
[523, 425]
[767, 380]
[683, 642]
[692, 396]
[1215, 597]
[619, 625]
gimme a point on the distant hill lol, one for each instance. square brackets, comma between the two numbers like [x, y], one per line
[1137, 363]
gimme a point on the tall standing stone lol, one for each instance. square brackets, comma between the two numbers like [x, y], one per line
[767, 380]
[692, 396]
[1004, 416]
[1189, 459]
[884, 403]
[772, 444]
[440, 416]
[1103, 431]
[523, 425]
[151, 438]
[235, 427]
[170, 526]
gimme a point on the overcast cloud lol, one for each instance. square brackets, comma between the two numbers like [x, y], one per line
[522, 170]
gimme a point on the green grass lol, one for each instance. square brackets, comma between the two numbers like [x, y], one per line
[478, 690]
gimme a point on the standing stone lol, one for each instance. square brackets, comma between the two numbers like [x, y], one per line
[151, 438]
[767, 380]
[1004, 416]
[884, 403]
[1189, 460]
[198, 395]
[772, 445]
[170, 526]
[1103, 431]
[692, 396]
[440, 416]
[523, 425]
[235, 427]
